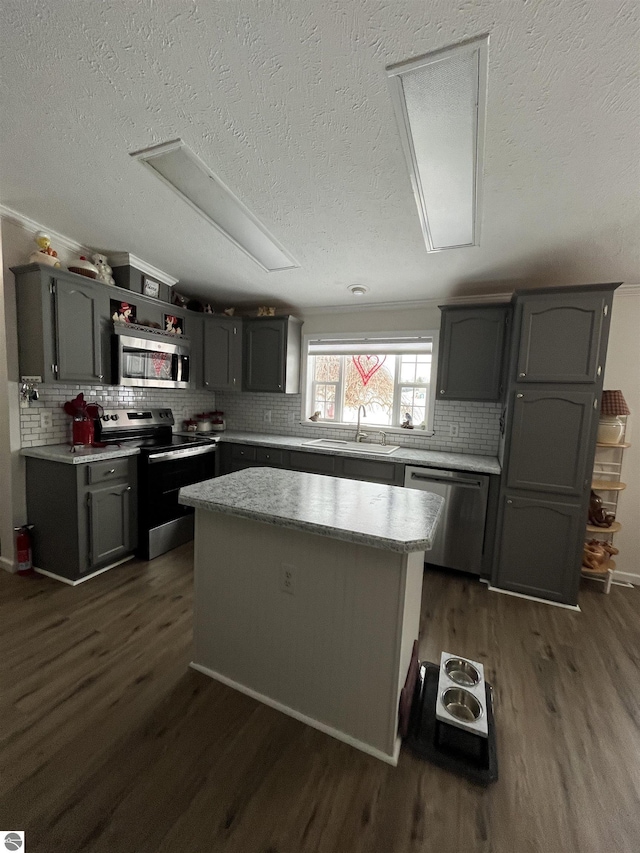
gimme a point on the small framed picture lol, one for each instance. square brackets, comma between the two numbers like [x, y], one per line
[150, 287]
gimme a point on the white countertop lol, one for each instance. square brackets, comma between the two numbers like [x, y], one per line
[78, 454]
[404, 455]
[387, 517]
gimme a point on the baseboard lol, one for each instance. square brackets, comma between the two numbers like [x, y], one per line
[8, 565]
[86, 577]
[303, 718]
[573, 607]
[627, 577]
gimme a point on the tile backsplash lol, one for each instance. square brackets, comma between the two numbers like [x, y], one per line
[184, 404]
[478, 423]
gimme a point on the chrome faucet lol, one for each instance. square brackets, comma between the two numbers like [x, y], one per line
[359, 434]
[383, 436]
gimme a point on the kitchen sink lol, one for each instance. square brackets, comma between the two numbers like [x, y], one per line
[352, 446]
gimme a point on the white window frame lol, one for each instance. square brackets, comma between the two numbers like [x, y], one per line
[306, 384]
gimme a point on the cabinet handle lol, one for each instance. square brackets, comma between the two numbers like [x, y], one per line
[522, 375]
[100, 376]
[595, 404]
[110, 471]
[206, 383]
[519, 395]
[128, 488]
[279, 386]
[599, 370]
[509, 501]
[442, 390]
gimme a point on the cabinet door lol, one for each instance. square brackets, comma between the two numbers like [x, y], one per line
[471, 352]
[222, 353]
[550, 441]
[264, 355]
[110, 523]
[77, 322]
[560, 338]
[539, 551]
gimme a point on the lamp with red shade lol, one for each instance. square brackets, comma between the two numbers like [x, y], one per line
[613, 413]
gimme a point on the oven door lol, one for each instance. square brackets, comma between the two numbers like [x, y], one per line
[151, 363]
[164, 475]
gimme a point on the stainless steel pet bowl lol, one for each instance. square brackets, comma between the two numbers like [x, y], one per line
[461, 672]
[461, 704]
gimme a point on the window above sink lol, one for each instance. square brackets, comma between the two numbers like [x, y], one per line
[391, 374]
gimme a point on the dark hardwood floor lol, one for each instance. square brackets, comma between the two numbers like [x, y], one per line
[110, 743]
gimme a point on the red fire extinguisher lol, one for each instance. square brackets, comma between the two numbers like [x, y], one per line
[23, 549]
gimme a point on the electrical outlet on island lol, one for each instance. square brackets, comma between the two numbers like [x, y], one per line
[453, 430]
[287, 579]
[267, 416]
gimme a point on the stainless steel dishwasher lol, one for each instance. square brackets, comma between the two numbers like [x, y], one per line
[459, 538]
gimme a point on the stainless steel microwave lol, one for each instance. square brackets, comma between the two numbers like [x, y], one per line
[150, 362]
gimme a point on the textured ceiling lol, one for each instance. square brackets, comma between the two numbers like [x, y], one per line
[288, 103]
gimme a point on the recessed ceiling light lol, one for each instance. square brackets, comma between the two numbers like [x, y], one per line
[182, 170]
[357, 289]
[440, 102]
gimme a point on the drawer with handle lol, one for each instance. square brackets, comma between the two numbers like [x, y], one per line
[243, 453]
[110, 469]
[269, 456]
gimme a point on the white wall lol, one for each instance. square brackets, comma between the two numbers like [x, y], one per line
[623, 372]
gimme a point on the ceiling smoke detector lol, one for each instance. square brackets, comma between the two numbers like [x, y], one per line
[357, 289]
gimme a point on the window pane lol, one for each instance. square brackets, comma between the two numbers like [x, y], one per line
[369, 383]
[423, 370]
[414, 402]
[408, 368]
[327, 368]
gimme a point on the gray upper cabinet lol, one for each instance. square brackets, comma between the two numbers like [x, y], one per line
[60, 317]
[549, 441]
[471, 351]
[222, 352]
[561, 337]
[78, 309]
[272, 349]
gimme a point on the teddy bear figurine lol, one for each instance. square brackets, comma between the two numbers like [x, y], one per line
[104, 270]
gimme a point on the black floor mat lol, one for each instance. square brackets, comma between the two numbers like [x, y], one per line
[449, 747]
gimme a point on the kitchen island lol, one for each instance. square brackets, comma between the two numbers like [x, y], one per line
[307, 595]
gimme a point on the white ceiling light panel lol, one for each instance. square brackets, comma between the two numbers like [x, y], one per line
[439, 102]
[186, 174]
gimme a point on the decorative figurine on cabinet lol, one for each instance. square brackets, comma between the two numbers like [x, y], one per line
[104, 270]
[123, 313]
[45, 254]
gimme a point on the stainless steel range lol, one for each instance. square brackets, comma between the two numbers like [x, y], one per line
[166, 463]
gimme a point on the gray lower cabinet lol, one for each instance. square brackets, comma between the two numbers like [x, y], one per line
[471, 350]
[540, 547]
[84, 516]
[222, 352]
[60, 321]
[109, 516]
[271, 358]
[235, 457]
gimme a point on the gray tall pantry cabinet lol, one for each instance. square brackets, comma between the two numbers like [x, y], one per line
[555, 373]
